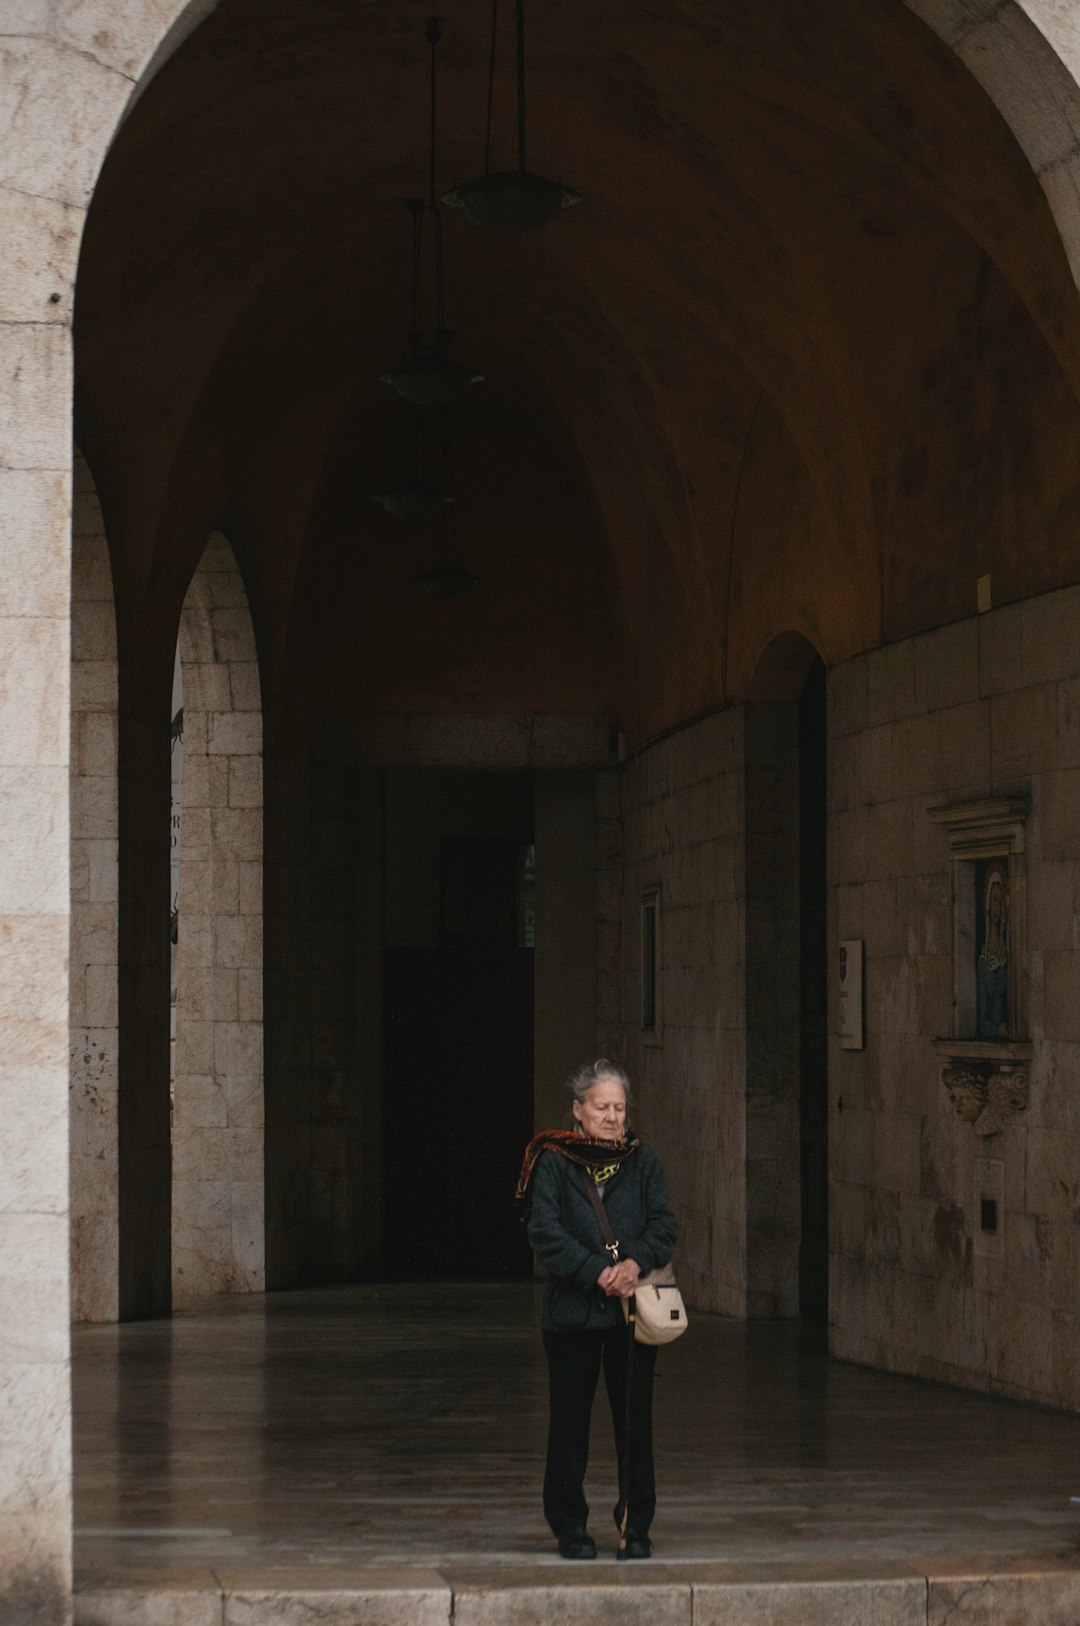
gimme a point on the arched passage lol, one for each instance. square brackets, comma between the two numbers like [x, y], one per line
[70, 86]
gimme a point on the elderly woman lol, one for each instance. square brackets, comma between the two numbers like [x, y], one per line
[584, 1325]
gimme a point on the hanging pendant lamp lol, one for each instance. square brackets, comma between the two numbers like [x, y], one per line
[447, 578]
[510, 200]
[429, 377]
[411, 504]
[446, 581]
[420, 483]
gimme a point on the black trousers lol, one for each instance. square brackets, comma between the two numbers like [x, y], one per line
[574, 1362]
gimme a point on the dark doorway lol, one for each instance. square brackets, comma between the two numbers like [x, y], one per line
[813, 1005]
[457, 1023]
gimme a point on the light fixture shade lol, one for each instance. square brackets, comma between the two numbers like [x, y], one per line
[511, 200]
[446, 581]
[431, 379]
[411, 504]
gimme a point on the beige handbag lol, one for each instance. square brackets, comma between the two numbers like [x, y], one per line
[656, 1311]
[659, 1313]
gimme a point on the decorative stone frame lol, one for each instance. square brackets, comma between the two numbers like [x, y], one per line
[987, 1079]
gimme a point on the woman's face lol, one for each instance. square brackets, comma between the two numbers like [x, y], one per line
[602, 1114]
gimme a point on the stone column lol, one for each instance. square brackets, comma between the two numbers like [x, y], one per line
[35, 1449]
[35, 504]
[218, 1232]
[94, 1195]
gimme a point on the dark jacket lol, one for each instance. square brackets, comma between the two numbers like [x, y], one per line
[566, 1237]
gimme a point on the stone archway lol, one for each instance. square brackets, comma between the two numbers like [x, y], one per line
[1026, 56]
[70, 79]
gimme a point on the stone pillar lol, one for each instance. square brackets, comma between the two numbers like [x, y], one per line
[143, 1061]
[35, 501]
[218, 1231]
[94, 1191]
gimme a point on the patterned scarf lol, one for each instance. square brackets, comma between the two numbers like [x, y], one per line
[592, 1155]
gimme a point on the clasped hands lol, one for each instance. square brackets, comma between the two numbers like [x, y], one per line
[619, 1281]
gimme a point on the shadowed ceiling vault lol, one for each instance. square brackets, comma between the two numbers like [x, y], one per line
[804, 360]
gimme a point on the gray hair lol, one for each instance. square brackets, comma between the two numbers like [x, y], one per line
[596, 1072]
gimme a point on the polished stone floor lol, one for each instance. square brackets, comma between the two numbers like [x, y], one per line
[400, 1429]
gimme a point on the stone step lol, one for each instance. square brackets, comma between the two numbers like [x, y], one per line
[604, 1593]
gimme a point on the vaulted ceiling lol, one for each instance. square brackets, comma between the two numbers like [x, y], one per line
[805, 359]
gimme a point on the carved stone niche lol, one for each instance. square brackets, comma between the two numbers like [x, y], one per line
[985, 1061]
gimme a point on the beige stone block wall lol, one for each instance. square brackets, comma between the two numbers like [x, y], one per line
[682, 833]
[94, 873]
[218, 1230]
[986, 707]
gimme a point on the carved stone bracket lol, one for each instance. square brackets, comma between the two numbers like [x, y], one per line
[986, 1097]
[987, 1083]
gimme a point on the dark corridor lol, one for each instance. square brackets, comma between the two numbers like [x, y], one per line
[458, 1062]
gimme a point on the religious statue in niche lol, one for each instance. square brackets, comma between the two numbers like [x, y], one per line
[992, 937]
[987, 1056]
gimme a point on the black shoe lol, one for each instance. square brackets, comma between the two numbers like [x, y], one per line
[576, 1543]
[636, 1546]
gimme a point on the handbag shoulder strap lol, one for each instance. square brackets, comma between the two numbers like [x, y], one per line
[611, 1245]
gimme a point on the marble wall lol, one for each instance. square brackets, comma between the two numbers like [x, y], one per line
[987, 707]
[682, 807]
[707, 820]
[93, 1097]
[217, 1132]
